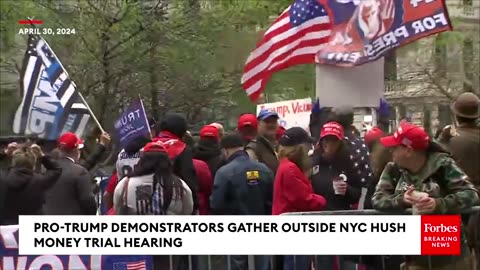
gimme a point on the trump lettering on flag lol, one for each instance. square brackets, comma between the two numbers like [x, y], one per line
[140, 265]
[294, 38]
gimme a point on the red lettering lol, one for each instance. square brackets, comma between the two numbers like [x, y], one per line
[298, 107]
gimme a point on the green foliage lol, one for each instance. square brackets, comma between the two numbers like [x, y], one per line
[180, 55]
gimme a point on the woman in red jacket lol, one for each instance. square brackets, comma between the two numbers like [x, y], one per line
[292, 190]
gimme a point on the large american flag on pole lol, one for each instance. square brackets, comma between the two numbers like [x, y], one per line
[294, 38]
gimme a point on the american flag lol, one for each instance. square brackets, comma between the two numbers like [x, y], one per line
[360, 157]
[140, 265]
[294, 38]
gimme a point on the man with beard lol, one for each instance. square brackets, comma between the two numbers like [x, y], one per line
[262, 148]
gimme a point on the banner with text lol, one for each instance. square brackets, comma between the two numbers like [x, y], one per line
[11, 260]
[132, 123]
[292, 113]
[365, 30]
[51, 104]
[200, 235]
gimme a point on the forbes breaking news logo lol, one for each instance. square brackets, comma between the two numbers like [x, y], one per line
[441, 235]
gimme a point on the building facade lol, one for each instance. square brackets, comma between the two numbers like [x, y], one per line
[429, 73]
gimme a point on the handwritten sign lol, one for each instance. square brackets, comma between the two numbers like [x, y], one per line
[293, 113]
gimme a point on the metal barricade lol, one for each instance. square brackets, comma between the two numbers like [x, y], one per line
[229, 262]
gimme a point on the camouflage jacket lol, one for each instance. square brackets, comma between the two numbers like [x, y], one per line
[441, 178]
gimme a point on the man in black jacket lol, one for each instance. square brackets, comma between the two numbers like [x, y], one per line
[73, 192]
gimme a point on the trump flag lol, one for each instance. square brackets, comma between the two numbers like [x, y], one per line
[365, 30]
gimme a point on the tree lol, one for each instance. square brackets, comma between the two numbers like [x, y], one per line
[177, 55]
[446, 64]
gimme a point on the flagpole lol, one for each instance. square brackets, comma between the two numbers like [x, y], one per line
[146, 118]
[66, 72]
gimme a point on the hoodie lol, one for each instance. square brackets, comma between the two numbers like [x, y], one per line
[25, 190]
[209, 152]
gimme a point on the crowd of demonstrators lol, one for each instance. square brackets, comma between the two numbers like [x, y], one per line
[61, 186]
[263, 169]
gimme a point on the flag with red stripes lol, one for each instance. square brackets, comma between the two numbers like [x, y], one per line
[294, 38]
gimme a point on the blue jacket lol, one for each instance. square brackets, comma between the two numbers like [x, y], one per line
[242, 187]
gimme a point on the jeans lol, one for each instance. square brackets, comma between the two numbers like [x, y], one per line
[328, 262]
[296, 262]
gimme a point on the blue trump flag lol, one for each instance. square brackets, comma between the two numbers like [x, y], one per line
[10, 259]
[132, 123]
[365, 30]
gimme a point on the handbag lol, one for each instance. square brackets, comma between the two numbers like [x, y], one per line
[123, 209]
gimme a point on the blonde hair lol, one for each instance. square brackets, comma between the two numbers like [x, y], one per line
[296, 154]
[23, 157]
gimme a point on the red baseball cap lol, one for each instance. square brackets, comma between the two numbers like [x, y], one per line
[155, 147]
[373, 134]
[280, 131]
[332, 129]
[408, 134]
[247, 119]
[69, 141]
[209, 131]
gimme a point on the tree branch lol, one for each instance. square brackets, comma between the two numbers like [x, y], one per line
[439, 87]
[125, 40]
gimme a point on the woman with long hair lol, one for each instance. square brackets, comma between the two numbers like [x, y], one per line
[292, 191]
[152, 188]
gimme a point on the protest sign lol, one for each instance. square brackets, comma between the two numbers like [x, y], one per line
[10, 259]
[132, 123]
[292, 113]
[360, 86]
[365, 30]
